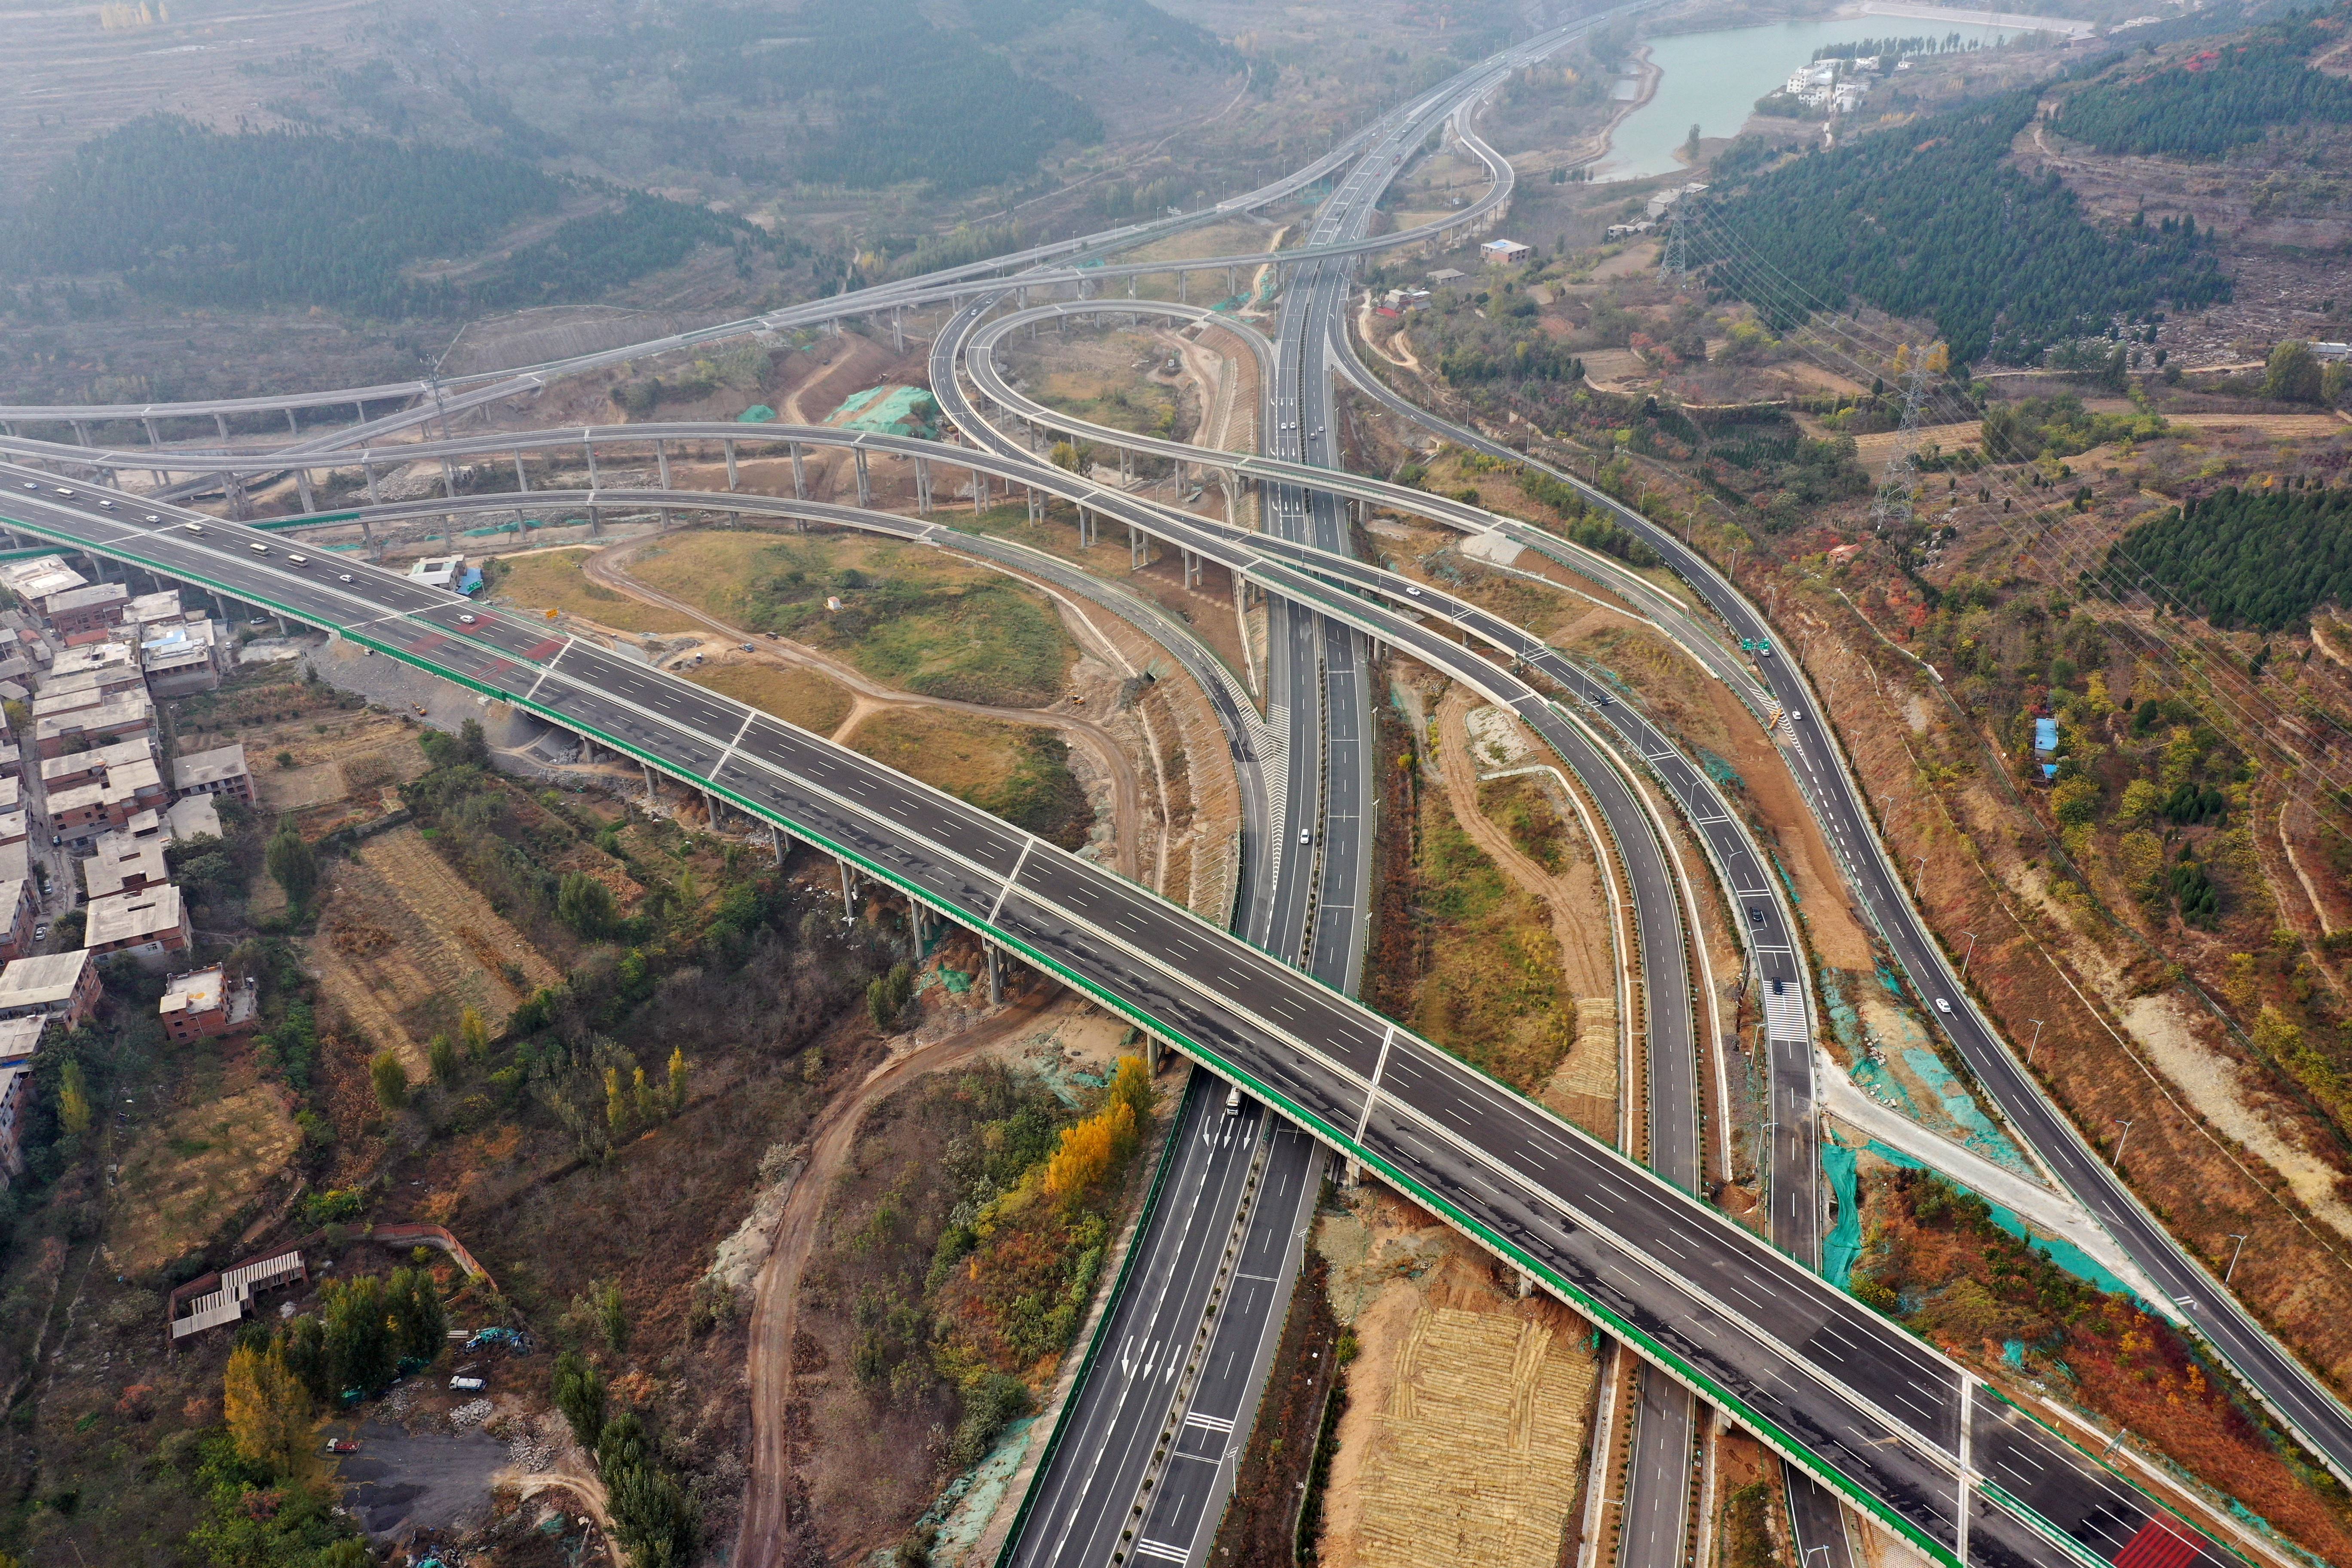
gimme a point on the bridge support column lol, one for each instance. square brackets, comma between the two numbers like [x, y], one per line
[996, 975]
[1191, 569]
[848, 889]
[779, 841]
[653, 795]
[898, 333]
[590, 447]
[1139, 550]
[1182, 279]
[1036, 511]
[369, 470]
[1085, 529]
[359, 412]
[710, 808]
[152, 442]
[220, 423]
[1021, 299]
[302, 489]
[291, 428]
[922, 487]
[82, 432]
[1125, 466]
[730, 463]
[865, 479]
[1130, 285]
[800, 475]
[1233, 281]
[918, 921]
[979, 493]
[661, 460]
[448, 480]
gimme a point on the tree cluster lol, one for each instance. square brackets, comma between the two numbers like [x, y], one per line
[2215, 100]
[2262, 558]
[1930, 219]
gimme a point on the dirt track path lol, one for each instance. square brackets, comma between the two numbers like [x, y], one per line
[609, 568]
[1568, 898]
[776, 1292]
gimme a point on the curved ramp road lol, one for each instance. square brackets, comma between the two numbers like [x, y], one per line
[1820, 1377]
[2284, 1382]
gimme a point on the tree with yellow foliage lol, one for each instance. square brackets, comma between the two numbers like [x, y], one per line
[269, 1412]
[1091, 1150]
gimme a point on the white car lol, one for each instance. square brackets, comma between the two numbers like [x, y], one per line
[1942, 1005]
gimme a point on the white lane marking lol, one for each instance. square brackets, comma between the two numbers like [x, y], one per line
[1005, 891]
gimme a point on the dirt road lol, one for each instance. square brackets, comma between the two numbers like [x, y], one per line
[776, 1292]
[609, 568]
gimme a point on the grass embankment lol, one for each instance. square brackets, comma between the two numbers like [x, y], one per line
[1019, 772]
[915, 618]
[1460, 953]
[554, 581]
[801, 697]
[1934, 1257]
[1521, 809]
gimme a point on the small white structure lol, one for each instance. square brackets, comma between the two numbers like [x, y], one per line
[1504, 252]
[438, 571]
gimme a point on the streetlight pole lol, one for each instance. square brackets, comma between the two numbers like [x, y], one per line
[2117, 1162]
[2233, 1256]
[2036, 1043]
[1919, 870]
[1970, 954]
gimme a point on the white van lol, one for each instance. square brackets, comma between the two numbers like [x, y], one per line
[1233, 1100]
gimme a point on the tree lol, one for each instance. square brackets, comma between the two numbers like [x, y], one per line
[390, 1079]
[73, 1100]
[2293, 375]
[2076, 801]
[641, 1095]
[302, 1345]
[887, 995]
[442, 1057]
[358, 1332]
[584, 904]
[268, 1410]
[293, 863]
[580, 1395]
[473, 1034]
[653, 1519]
[612, 1315]
[617, 1102]
[1091, 1150]
[420, 1322]
[622, 1447]
[1131, 1087]
[677, 1072]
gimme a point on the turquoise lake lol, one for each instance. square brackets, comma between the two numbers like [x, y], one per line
[1713, 80]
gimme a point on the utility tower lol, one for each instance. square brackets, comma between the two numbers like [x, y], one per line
[1892, 504]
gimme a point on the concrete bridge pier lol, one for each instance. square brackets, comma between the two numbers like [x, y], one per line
[291, 427]
[82, 432]
[922, 487]
[979, 493]
[1183, 279]
[865, 479]
[1036, 509]
[448, 480]
[848, 890]
[1191, 568]
[661, 460]
[995, 974]
[779, 841]
[1086, 529]
[153, 442]
[522, 480]
[898, 331]
[1139, 548]
[653, 795]
[590, 447]
[800, 475]
[220, 423]
[302, 490]
[730, 446]
[369, 470]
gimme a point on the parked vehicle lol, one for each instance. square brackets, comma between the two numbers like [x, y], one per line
[468, 1385]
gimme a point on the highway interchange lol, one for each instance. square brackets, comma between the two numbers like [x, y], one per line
[1656, 1263]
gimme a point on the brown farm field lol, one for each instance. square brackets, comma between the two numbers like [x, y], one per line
[406, 945]
[197, 1169]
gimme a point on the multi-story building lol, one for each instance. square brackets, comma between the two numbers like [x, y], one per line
[16, 1100]
[117, 717]
[151, 925]
[107, 802]
[220, 771]
[21, 910]
[59, 985]
[202, 1004]
[125, 864]
[97, 608]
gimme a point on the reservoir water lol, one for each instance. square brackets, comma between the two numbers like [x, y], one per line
[1713, 80]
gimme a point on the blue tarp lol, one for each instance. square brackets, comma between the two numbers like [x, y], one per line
[2045, 734]
[471, 583]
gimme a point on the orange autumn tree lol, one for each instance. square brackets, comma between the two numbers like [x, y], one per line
[1101, 1144]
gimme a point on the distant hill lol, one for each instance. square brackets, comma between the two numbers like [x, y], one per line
[2202, 103]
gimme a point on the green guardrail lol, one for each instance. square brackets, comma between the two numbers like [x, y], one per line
[1668, 1359]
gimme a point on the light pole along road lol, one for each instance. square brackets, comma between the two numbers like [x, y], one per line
[1830, 1385]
